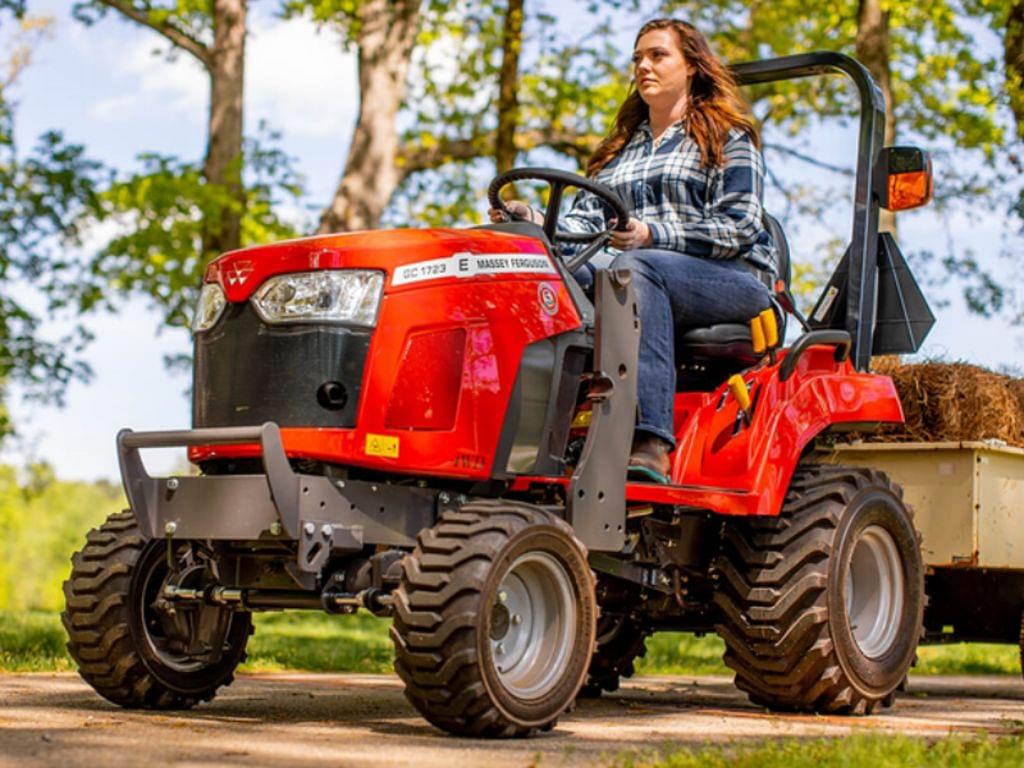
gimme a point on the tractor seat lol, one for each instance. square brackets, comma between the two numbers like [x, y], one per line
[727, 348]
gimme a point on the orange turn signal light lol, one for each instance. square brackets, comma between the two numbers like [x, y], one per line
[909, 190]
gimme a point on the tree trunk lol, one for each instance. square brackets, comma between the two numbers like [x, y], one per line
[508, 102]
[387, 34]
[223, 163]
[1013, 60]
[873, 49]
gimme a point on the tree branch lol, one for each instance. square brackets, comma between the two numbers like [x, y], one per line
[177, 37]
[412, 158]
[808, 159]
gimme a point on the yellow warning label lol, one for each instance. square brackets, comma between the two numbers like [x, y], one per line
[382, 445]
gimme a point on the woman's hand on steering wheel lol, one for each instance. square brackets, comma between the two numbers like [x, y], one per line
[558, 181]
[635, 235]
[518, 210]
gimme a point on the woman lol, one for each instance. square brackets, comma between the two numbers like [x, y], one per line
[683, 155]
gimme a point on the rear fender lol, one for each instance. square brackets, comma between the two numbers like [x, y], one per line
[720, 448]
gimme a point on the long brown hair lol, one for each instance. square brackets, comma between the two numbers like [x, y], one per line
[715, 104]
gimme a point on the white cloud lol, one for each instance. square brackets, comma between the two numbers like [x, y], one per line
[300, 80]
[152, 83]
[297, 78]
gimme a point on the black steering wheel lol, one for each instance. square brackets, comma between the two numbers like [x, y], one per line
[558, 181]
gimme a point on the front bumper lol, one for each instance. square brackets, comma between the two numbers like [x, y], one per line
[322, 515]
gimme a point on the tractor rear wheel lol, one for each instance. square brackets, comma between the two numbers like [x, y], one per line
[821, 607]
[119, 638]
[494, 620]
[621, 640]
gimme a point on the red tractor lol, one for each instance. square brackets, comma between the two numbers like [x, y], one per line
[435, 424]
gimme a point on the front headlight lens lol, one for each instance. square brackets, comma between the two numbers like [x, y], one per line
[211, 305]
[341, 296]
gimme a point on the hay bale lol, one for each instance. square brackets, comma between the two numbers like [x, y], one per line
[953, 402]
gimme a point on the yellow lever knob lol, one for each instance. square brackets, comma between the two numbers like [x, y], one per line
[740, 391]
[757, 335]
[770, 328]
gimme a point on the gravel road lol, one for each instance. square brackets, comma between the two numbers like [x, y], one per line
[363, 720]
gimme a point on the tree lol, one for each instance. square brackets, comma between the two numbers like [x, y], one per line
[213, 33]
[42, 197]
[458, 70]
[175, 214]
[508, 86]
[873, 49]
[384, 33]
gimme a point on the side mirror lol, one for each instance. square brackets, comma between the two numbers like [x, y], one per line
[903, 178]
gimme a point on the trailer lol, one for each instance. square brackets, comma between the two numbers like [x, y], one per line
[968, 505]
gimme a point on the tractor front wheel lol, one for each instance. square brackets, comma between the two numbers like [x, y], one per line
[494, 620]
[127, 645]
[821, 607]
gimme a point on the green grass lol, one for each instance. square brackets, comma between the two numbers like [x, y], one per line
[33, 641]
[679, 653]
[878, 751]
[321, 643]
[968, 659]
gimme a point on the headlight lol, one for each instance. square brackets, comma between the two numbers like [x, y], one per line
[211, 305]
[340, 296]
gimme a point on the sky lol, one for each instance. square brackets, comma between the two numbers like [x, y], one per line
[105, 88]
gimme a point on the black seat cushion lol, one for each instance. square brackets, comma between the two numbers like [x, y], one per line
[729, 341]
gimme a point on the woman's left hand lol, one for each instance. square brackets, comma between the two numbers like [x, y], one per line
[635, 235]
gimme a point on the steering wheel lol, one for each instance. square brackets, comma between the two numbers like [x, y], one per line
[558, 181]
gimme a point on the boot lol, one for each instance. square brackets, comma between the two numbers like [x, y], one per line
[649, 458]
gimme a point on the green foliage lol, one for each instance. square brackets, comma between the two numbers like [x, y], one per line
[162, 210]
[42, 522]
[570, 84]
[881, 750]
[341, 15]
[191, 17]
[43, 198]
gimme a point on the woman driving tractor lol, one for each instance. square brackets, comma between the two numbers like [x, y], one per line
[684, 157]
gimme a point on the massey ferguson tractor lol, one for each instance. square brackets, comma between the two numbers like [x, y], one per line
[434, 425]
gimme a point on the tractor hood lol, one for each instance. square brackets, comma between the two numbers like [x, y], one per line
[410, 257]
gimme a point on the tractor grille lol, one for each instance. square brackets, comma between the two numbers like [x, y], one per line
[247, 372]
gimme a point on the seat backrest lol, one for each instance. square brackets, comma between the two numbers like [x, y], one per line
[781, 248]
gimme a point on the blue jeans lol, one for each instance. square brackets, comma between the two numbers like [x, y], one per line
[676, 292]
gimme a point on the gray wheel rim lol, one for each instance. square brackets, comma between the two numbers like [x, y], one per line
[533, 625]
[875, 591]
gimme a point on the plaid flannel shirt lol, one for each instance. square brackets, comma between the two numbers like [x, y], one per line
[712, 213]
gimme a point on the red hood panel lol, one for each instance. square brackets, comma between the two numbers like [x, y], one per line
[241, 272]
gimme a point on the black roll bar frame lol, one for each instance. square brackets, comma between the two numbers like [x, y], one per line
[862, 286]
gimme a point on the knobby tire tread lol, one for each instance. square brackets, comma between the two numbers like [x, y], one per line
[433, 631]
[96, 619]
[771, 600]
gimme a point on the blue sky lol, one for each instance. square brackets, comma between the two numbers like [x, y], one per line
[103, 87]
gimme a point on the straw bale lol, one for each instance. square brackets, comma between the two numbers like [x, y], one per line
[952, 402]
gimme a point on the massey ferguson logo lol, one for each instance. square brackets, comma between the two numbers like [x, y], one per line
[238, 273]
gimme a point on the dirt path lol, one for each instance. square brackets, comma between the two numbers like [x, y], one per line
[363, 720]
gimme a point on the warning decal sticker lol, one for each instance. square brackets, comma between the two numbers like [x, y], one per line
[473, 264]
[382, 445]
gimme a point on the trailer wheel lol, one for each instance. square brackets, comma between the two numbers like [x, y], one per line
[1022, 644]
[821, 607]
[621, 640]
[115, 635]
[494, 620]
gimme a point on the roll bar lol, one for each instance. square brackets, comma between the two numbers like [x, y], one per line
[863, 276]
